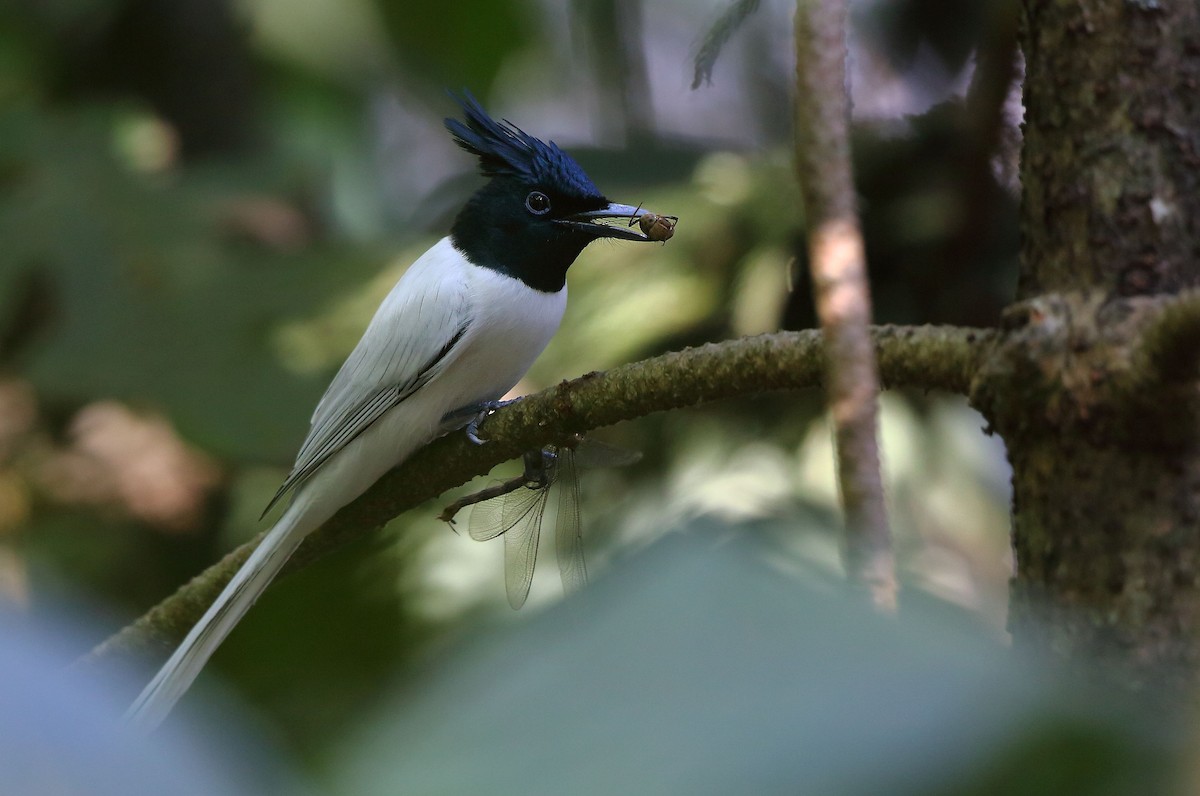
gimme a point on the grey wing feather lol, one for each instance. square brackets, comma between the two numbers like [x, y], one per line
[370, 384]
[333, 437]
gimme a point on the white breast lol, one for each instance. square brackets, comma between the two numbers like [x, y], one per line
[511, 324]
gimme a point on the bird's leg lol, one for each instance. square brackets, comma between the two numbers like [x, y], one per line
[478, 413]
[482, 412]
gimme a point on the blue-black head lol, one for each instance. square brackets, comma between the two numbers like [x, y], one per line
[538, 210]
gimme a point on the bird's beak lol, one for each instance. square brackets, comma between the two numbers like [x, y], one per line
[590, 222]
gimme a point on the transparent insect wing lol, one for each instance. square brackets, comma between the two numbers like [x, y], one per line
[522, 517]
[488, 517]
[568, 530]
[516, 508]
[593, 454]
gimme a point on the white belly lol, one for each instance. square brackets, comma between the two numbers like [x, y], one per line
[510, 327]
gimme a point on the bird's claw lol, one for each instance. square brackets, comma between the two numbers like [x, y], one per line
[473, 427]
[479, 412]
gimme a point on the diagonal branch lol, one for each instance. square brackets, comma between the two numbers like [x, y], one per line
[926, 357]
[843, 298]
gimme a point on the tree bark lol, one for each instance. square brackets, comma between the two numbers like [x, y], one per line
[1111, 166]
[1106, 478]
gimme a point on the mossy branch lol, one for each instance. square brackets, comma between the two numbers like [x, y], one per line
[926, 357]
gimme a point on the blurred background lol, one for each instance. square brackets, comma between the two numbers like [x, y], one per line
[203, 201]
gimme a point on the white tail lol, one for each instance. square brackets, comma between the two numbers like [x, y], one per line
[177, 674]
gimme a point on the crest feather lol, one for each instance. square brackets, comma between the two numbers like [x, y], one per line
[504, 149]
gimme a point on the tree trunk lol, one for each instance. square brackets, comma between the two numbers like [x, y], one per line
[1106, 483]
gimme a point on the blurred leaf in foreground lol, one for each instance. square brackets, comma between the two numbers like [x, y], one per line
[699, 667]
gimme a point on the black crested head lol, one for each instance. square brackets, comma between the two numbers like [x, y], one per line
[538, 209]
[504, 150]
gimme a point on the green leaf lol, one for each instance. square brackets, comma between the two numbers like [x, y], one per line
[702, 666]
[152, 299]
[458, 44]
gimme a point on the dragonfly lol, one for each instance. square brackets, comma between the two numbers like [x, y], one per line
[515, 508]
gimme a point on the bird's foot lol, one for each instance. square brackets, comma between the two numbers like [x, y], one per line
[478, 413]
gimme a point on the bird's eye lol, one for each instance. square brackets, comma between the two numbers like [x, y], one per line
[537, 203]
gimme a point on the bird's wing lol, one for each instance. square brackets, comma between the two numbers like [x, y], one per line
[408, 343]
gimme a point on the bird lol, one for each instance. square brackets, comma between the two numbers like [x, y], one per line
[458, 331]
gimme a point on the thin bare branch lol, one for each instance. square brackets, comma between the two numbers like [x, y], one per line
[717, 37]
[926, 357]
[843, 297]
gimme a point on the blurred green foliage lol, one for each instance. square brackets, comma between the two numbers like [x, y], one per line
[202, 203]
[698, 667]
[138, 276]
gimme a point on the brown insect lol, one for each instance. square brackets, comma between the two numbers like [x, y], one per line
[656, 227]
